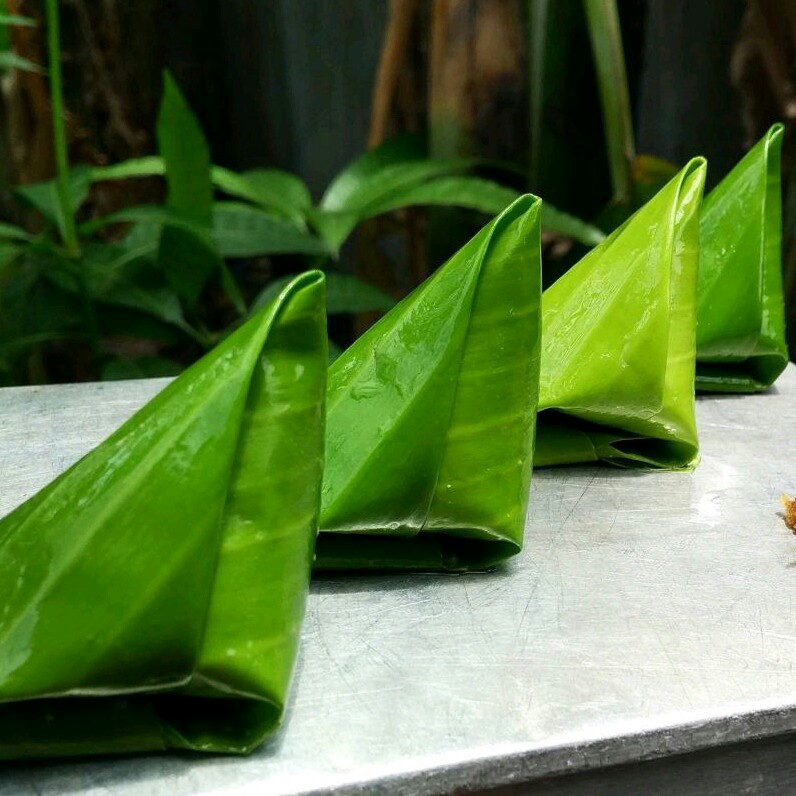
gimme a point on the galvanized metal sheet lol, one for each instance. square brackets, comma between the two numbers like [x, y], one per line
[649, 614]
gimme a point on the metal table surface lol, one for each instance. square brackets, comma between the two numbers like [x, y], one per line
[649, 615]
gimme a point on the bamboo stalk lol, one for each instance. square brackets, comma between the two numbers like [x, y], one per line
[477, 78]
[391, 62]
[609, 61]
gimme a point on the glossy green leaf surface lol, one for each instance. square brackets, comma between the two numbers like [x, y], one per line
[441, 397]
[618, 341]
[152, 594]
[740, 315]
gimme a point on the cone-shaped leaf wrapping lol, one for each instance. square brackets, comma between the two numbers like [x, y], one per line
[151, 596]
[740, 315]
[430, 415]
[618, 341]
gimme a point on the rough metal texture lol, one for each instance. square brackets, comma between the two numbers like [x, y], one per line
[650, 614]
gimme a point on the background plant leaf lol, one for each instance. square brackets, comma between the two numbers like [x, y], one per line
[13, 232]
[271, 189]
[241, 230]
[16, 19]
[188, 259]
[345, 293]
[186, 156]
[10, 60]
[43, 196]
[148, 166]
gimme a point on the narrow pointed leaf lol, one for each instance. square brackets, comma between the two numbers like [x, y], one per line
[397, 165]
[10, 60]
[398, 174]
[240, 230]
[148, 166]
[272, 189]
[347, 188]
[186, 156]
[187, 259]
[154, 216]
[13, 232]
[485, 196]
[473, 193]
[561, 223]
[43, 196]
[441, 393]
[618, 350]
[152, 594]
[741, 325]
[16, 19]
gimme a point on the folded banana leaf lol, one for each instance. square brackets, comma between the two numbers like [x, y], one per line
[430, 415]
[618, 341]
[151, 596]
[740, 313]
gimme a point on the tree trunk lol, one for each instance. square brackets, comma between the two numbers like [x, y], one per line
[477, 78]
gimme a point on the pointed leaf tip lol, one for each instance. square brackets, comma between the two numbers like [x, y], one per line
[776, 131]
[442, 392]
[186, 534]
[741, 345]
[618, 341]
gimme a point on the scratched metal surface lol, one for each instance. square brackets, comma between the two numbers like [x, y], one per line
[648, 615]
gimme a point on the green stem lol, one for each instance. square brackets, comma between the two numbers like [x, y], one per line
[609, 60]
[68, 229]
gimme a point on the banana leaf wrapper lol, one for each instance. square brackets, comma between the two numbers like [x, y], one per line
[741, 344]
[430, 415]
[152, 594]
[618, 342]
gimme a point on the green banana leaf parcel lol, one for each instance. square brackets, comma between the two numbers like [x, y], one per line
[152, 594]
[618, 341]
[430, 415]
[741, 319]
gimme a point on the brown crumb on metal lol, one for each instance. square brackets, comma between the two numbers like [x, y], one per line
[790, 511]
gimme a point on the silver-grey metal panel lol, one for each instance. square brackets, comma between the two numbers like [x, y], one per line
[649, 614]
